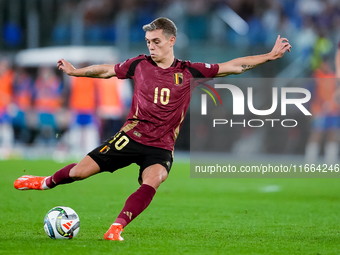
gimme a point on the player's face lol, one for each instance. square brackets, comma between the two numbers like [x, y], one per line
[159, 46]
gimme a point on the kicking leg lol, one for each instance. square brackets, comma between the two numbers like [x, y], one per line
[137, 202]
[70, 173]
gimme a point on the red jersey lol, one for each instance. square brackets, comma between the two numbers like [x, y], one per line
[161, 98]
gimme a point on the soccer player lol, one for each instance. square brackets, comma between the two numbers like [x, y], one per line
[160, 101]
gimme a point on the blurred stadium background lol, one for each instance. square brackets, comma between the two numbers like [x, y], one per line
[44, 113]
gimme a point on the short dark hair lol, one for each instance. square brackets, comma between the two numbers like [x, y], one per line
[168, 26]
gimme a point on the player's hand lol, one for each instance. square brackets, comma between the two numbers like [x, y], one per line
[281, 46]
[65, 66]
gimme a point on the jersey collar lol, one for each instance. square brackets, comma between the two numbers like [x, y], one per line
[172, 65]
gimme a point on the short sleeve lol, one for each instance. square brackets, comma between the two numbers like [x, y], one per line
[339, 45]
[204, 70]
[126, 69]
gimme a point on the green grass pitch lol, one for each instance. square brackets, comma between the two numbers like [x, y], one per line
[187, 216]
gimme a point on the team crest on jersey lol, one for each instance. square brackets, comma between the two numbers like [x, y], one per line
[178, 78]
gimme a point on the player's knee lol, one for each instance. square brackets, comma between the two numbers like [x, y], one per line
[155, 180]
[77, 173]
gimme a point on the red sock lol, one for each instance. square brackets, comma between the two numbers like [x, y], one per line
[135, 204]
[60, 177]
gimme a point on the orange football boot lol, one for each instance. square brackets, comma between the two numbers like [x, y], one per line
[29, 182]
[114, 232]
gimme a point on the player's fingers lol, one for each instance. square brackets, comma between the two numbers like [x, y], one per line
[283, 41]
[287, 47]
[60, 66]
[63, 62]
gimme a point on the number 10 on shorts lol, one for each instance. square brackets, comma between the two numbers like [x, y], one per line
[119, 144]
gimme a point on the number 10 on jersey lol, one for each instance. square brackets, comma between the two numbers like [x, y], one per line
[164, 97]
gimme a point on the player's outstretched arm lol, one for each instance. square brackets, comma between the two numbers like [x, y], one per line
[95, 71]
[240, 65]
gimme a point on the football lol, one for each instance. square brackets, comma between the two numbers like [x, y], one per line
[61, 223]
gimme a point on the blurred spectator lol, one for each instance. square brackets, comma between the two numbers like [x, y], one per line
[6, 131]
[47, 103]
[307, 37]
[326, 112]
[197, 22]
[337, 62]
[114, 99]
[84, 125]
[22, 99]
[98, 17]
[322, 47]
[62, 28]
